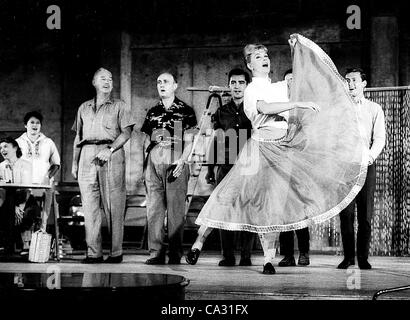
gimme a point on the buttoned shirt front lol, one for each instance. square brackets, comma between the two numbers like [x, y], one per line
[263, 89]
[232, 116]
[171, 122]
[371, 119]
[105, 122]
[41, 153]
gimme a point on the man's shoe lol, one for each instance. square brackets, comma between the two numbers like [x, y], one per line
[174, 260]
[287, 262]
[192, 256]
[245, 262]
[227, 262]
[155, 260]
[364, 265]
[93, 260]
[117, 259]
[268, 269]
[304, 259]
[346, 263]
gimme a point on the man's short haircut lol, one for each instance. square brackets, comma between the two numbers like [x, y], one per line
[33, 114]
[239, 72]
[14, 144]
[172, 74]
[287, 72]
[251, 48]
[359, 70]
[101, 70]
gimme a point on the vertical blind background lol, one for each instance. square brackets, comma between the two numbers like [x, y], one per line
[391, 219]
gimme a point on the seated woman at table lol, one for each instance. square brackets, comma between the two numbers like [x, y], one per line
[16, 170]
[13, 169]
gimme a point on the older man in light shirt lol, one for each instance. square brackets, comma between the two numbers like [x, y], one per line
[371, 120]
[103, 125]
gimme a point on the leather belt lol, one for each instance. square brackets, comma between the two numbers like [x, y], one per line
[95, 142]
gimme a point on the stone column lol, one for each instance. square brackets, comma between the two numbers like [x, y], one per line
[384, 51]
[125, 94]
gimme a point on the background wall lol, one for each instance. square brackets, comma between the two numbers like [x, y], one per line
[51, 70]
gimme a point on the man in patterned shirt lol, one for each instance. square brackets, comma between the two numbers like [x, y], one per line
[166, 174]
[103, 125]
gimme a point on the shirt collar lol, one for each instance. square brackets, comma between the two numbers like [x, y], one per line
[108, 100]
[40, 137]
[236, 106]
[261, 80]
[11, 165]
[359, 101]
[92, 102]
[174, 103]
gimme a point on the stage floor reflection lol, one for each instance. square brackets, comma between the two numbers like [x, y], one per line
[318, 281]
[110, 286]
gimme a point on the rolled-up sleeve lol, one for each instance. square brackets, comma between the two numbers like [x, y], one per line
[249, 103]
[55, 156]
[191, 122]
[125, 117]
[77, 125]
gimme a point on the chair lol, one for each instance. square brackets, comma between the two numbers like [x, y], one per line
[136, 215]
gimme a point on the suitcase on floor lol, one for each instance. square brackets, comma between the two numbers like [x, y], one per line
[40, 247]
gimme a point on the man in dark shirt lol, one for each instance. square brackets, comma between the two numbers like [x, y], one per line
[166, 174]
[231, 123]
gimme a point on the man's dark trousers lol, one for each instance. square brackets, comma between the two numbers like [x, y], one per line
[228, 237]
[365, 206]
[286, 240]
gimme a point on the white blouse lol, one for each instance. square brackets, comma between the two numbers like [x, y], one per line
[264, 89]
[19, 172]
[41, 154]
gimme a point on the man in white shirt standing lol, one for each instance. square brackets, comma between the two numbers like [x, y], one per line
[43, 155]
[371, 120]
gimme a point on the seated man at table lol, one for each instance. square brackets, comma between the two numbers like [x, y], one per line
[16, 170]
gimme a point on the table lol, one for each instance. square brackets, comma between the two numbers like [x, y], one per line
[95, 287]
[9, 210]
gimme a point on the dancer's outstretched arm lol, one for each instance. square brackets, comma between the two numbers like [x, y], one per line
[278, 107]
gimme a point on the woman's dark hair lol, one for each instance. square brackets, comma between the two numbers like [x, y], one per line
[14, 144]
[33, 114]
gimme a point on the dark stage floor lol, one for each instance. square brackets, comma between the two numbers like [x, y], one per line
[319, 281]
